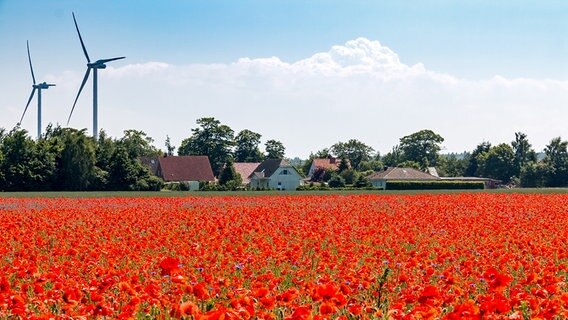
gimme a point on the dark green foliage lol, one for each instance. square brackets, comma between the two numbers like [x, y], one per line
[349, 175]
[471, 169]
[246, 149]
[354, 150]
[362, 182]
[274, 149]
[211, 139]
[230, 176]
[322, 174]
[524, 152]
[23, 165]
[434, 185]
[452, 165]
[556, 160]
[421, 147]
[336, 182]
[497, 163]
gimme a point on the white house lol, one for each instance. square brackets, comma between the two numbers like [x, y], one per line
[275, 174]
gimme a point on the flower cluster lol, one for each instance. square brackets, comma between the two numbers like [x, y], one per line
[454, 256]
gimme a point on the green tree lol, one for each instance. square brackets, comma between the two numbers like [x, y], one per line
[524, 152]
[274, 149]
[343, 165]
[246, 149]
[24, 166]
[349, 175]
[76, 165]
[169, 147]
[422, 147]
[534, 174]
[138, 144]
[229, 176]
[373, 165]
[336, 181]
[354, 150]
[211, 139]
[452, 165]
[394, 157]
[497, 163]
[556, 158]
[472, 166]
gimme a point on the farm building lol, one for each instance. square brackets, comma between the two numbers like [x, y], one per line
[275, 174]
[188, 169]
[379, 179]
[245, 169]
[331, 163]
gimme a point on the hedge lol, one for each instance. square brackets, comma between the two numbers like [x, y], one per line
[434, 185]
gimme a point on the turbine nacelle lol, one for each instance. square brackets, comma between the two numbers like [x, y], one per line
[43, 85]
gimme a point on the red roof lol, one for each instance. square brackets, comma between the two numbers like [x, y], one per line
[401, 174]
[185, 168]
[327, 163]
[245, 169]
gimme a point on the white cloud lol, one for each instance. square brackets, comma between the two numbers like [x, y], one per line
[358, 90]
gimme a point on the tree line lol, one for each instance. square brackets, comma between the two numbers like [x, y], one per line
[68, 159]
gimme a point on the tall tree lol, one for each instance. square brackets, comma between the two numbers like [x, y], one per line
[77, 162]
[138, 144]
[246, 149]
[353, 150]
[523, 152]
[394, 157]
[472, 166]
[497, 163]
[556, 158]
[23, 165]
[229, 174]
[169, 147]
[274, 149]
[211, 139]
[422, 147]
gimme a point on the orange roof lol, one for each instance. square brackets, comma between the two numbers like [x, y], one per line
[326, 163]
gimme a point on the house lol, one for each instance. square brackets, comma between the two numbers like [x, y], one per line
[188, 169]
[331, 163]
[379, 179]
[151, 163]
[245, 169]
[275, 174]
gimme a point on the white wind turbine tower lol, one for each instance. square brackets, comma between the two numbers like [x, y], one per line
[39, 87]
[99, 64]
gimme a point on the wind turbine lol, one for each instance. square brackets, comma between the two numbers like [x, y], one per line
[99, 64]
[39, 87]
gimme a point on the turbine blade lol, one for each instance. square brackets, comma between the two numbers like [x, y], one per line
[30, 60]
[27, 105]
[79, 93]
[80, 38]
[111, 59]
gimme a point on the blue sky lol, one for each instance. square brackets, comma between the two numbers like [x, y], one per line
[470, 41]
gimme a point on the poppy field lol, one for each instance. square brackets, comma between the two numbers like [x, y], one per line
[427, 256]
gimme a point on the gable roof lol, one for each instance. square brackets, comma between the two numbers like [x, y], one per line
[245, 169]
[151, 163]
[269, 166]
[186, 168]
[327, 163]
[396, 173]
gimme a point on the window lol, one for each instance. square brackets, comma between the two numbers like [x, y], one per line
[284, 171]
